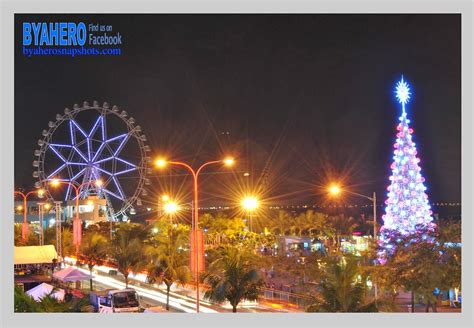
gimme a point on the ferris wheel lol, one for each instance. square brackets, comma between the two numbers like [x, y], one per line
[95, 142]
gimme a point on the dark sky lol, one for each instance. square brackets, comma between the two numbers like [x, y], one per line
[308, 96]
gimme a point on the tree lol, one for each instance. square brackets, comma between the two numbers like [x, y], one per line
[93, 251]
[68, 247]
[17, 234]
[341, 289]
[50, 236]
[126, 251]
[417, 265]
[32, 239]
[408, 210]
[232, 277]
[103, 228]
[342, 227]
[168, 258]
[450, 238]
[221, 229]
[280, 224]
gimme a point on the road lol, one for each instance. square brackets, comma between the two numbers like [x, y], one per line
[149, 295]
[153, 296]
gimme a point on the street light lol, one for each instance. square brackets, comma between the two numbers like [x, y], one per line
[24, 226]
[77, 225]
[171, 208]
[229, 161]
[334, 189]
[250, 204]
[161, 163]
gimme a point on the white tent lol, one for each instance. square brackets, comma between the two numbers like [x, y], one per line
[71, 274]
[44, 289]
[34, 254]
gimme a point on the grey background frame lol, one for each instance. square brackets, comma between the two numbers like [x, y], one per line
[9, 7]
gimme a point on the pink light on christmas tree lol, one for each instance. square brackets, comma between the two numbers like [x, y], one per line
[407, 208]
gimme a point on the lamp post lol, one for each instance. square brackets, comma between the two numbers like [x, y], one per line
[77, 226]
[24, 226]
[41, 208]
[335, 190]
[59, 242]
[161, 163]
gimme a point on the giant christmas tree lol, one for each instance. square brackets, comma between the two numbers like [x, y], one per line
[407, 208]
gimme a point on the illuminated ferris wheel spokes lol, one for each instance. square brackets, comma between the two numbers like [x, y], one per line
[90, 155]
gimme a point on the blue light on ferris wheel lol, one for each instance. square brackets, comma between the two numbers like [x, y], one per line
[93, 159]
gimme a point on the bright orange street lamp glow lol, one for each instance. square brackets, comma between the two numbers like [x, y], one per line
[229, 161]
[250, 203]
[335, 189]
[160, 163]
[47, 206]
[165, 198]
[19, 208]
[55, 182]
[171, 208]
[99, 183]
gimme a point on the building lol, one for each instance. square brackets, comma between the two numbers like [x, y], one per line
[91, 210]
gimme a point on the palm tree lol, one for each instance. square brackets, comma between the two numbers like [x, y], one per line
[17, 234]
[341, 290]
[127, 252]
[103, 228]
[222, 229]
[342, 227]
[232, 277]
[170, 264]
[68, 246]
[93, 251]
[281, 223]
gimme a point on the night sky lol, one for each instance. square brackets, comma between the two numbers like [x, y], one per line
[309, 97]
